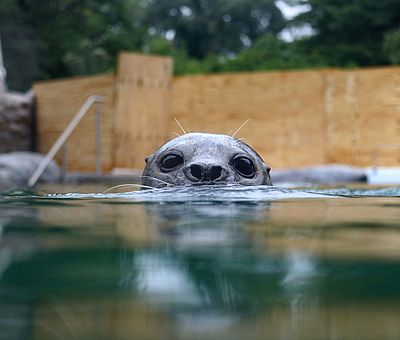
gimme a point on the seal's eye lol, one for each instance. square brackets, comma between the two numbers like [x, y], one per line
[170, 161]
[244, 166]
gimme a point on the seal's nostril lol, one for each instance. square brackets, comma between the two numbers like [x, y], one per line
[195, 170]
[215, 172]
[205, 172]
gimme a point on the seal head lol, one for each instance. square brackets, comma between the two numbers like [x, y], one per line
[205, 159]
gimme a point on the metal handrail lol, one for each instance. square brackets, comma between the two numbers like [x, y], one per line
[63, 137]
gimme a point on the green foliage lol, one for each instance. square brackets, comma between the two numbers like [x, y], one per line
[58, 38]
[182, 63]
[270, 53]
[19, 50]
[350, 32]
[206, 27]
[391, 46]
[82, 32]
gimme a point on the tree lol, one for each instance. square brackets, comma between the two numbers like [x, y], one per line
[349, 32]
[213, 27]
[81, 32]
[58, 38]
[271, 53]
[391, 46]
[19, 51]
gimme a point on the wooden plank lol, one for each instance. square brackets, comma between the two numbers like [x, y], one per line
[287, 125]
[362, 109]
[141, 112]
[57, 103]
[298, 118]
[379, 115]
[341, 109]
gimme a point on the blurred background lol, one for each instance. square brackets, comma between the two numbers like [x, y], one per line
[319, 85]
[317, 79]
[60, 38]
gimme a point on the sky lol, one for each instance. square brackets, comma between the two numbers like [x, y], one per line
[290, 12]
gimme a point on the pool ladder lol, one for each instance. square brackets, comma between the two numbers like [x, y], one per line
[60, 142]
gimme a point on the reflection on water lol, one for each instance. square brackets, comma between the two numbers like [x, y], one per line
[89, 266]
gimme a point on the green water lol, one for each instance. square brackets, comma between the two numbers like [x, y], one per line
[228, 265]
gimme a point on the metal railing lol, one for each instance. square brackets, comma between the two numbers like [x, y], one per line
[60, 142]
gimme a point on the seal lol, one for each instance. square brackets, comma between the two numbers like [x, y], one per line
[205, 159]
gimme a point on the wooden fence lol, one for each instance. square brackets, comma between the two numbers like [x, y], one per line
[298, 118]
[58, 101]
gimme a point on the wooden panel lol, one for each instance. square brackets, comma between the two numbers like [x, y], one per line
[143, 86]
[299, 118]
[362, 109]
[287, 124]
[57, 103]
[341, 112]
[379, 115]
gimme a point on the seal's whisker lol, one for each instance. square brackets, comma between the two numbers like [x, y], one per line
[241, 139]
[180, 126]
[128, 185]
[229, 133]
[157, 179]
[240, 127]
[176, 134]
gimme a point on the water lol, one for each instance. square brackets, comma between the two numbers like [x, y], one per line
[232, 263]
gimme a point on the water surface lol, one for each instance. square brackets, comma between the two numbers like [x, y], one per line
[227, 263]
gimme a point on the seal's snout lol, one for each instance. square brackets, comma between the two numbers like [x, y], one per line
[205, 173]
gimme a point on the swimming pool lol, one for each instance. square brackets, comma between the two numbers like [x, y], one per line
[232, 263]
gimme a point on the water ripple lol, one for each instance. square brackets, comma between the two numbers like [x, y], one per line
[224, 193]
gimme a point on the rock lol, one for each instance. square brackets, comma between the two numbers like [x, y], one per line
[321, 174]
[17, 167]
[16, 121]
